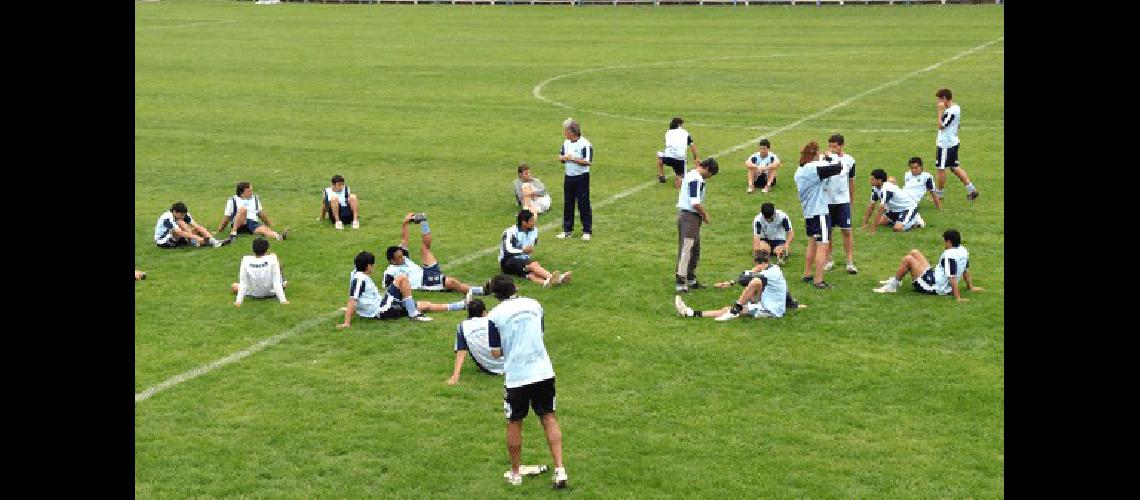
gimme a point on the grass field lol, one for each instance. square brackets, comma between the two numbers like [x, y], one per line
[430, 108]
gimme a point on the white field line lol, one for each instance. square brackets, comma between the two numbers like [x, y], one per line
[207, 368]
[202, 22]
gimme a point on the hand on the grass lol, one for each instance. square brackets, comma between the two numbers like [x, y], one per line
[976, 289]
[284, 302]
[237, 304]
[722, 284]
[343, 325]
[454, 379]
[963, 299]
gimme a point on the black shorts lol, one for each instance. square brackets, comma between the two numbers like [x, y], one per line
[433, 279]
[539, 395]
[762, 180]
[946, 157]
[396, 309]
[677, 164]
[840, 215]
[772, 244]
[249, 227]
[345, 214]
[925, 283]
[515, 265]
[174, 242]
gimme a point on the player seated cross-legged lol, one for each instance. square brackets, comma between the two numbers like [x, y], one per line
[176, 228]
[953, 264]
[366, 301]
[341, 204]
[427, 277]
[765, 294]
[515, 251]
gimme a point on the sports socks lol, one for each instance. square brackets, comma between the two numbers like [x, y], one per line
[970, 188]
[410, 305]
[424, 227]
[456, 306]
[477, 290]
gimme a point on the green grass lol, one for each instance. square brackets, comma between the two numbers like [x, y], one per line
[430, 108]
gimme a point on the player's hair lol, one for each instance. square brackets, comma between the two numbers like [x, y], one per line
[760, 256]
[363, 260]
[675, 122]
[809, 152]
[953, 237]
[573, 126]
[523, 166]
[768, 210]
[241, 187]
[524, 215]
[260, 246]
[390, 253]
[836, 139]
[914, 160]
[337, 178]
[179, 207]
[766, 143]
[880, 174]
[711, 165]
[502, 286]
[944, 93]
[475, 308]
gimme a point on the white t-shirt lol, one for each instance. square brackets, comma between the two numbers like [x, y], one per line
[948, 136]
[676, 142]
[252, 206]
[471, 335]
[260, 277]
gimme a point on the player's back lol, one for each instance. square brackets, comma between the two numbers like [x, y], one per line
[519, 324]
[472, 335]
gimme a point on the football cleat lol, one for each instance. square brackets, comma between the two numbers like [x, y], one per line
[682, 309]
[830, 264]
[563, 235]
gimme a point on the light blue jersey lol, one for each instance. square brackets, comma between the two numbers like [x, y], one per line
[775, 292]
[810, 186]
[409, 268]
[514, 239]
[516, 325]
[471, 336]
[368, 298]
[765, 161]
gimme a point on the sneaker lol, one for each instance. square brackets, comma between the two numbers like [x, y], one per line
[284, 234]
[527, 470]
[822, 285]
[514, 479]
[830, 264]
[693, 283]
[681, 288]
[565, 278]
[883, 282]
[807, 279]
[751, 189]
[339, 225]
[562, 235]
[560, 478]
[782, 259]
[585, 236]
[886, 288]
[918, 220]
[972, 196]
[418, 217]
[727, 316]
[765, 190]
[549, 279]
[851, 269]
[682, 309]
[356, 224]
[419, 317]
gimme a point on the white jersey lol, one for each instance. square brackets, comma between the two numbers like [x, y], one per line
[260, 277]
[341, 197]
[837, 188]
[164, 228]
[692, 191]
[917, 185]
[765, 161]
[514, 239]
[516, 326]
[471, 336]
[676, 142]
[413, 271]
[953, 262]
[895, 199]
[948, 136]
[369, 301]
[775, 229]
[252, 206]
[580, 148]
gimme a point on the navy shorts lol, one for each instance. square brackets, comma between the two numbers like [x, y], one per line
[539, 395]
[515, 265]
[818, 226]
[946, 157]
[174, 242]
[840, 215]
[433, 278]
[677, 164]
[249, 227]
[345, 214]
[773, 243]
[396, 307]
[762, 180]
[905, 218]
[925, 283]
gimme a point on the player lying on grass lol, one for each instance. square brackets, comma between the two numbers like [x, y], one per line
[953, 264]
[515, 251]
[896, 208]
[366, 301]
[246, 212]
[259, 275]
[772, 232]
[346, 203]
[176, 228]
[765, 294]
[471, 336]
[427, 277]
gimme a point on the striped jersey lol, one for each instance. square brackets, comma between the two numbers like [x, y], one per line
[252, 206]
[773, 296]
[692, 191]
[953, 262]
[765, 161]
[164, 228]
[413, 271]
[677, 140]
[895, 199]
[516, 326]
[948, 136]
[775, 229]
[369, 301]
[917, 185]
[580, 148]
[837, 187]
[342, 197]
[810, 187]
[471, 336]
[514, 239]
[260, 277]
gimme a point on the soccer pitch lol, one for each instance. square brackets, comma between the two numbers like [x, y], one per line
[431, 108]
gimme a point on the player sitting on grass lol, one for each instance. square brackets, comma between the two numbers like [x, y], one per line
[953, 264]
[762, 168]
[176, 228]
[772, 232]
[427, 277]
[531, 192]
[901, 211]
[515, 251]
[916, 182]
[366, 301]
[259, 275]
[247, 213]
[765, 294]
[347, 206]
[471, 335]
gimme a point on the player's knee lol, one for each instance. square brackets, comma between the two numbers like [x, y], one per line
[234, 287]
[334, 201]
[898, 228]
[400, 280]
[352, 197]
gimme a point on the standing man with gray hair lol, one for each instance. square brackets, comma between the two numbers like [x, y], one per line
[690, 214]
[577, 155]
